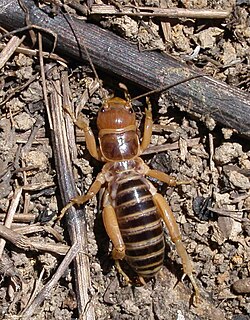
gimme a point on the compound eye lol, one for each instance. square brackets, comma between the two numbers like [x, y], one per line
[104, 107]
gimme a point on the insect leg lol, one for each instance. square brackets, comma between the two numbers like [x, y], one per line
[78, 200]
[170, 222]
[114, 233]
[88, 133]
[148, 127]
[89, 138]
[169, 180]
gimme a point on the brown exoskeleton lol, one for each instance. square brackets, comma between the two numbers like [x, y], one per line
[132, 209]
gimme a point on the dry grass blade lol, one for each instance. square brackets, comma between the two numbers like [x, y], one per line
[159, 12]
[46, 291]
[76, 223]
[34, 53]
[10, 214]
[24, 242]
[9, 49]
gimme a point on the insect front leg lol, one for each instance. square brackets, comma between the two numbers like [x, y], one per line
[78, 200]
[148, 127]
[170, 222]
[114, 233]
[89, 138]
[88, 133]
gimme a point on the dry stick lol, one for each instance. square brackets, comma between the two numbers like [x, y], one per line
[25, 243]
[148, 70]
[165, 25]
[11, 212]
[38, 283]
[76, 221]
[37, 228]
[38, 124]
[25, 218]
[9, 49]
[47, 289]
[100, 9]
[45, 93]
[170, 146]
[34, 53]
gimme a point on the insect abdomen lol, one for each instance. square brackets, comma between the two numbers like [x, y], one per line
[140, 226]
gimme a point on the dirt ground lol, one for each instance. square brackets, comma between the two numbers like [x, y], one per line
[212, 210]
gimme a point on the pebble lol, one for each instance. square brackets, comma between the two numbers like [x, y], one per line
[242, 285]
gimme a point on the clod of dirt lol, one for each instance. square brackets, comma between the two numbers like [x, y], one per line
[22, 60]
[125, 25]
[15, 105]
[229, 53]
[194, 3]
[227, 152]
[23, 121]
[33, 94]
[207, 38]
[179, 39]
[242, 285]
[36, 159]
[239, 180]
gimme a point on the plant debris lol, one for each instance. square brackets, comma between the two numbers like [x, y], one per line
[212, 209]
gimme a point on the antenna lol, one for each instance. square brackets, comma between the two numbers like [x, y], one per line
[166, 87]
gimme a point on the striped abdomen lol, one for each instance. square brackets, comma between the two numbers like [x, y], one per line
[140, 226]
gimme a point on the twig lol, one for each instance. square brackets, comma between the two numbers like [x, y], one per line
[35, 52]
[204, 96]
[36, 288]
[76, 221]
[38, 124]
[159, 12]
[30, 27]
[10, 214]
[37, 228]
[25, 243]
[29, 217]
[9, 49]
[46, 291]
[170, 146]
[165, 25]
[38, 186]
[45, 93]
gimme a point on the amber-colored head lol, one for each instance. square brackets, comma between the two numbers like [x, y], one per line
[115, 113]
[117, 130]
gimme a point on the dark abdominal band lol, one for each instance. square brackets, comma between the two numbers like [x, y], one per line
[140, 226]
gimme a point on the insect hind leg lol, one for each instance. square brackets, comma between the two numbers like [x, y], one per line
[170, 222]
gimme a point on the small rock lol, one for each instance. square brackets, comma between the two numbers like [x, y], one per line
[229, 54]
[242, 286]
[180, 40]
[227, 152]
[23, 121]
[227, 133]
[22, 60]
[239, 180]
[37, 159]
[207, 38]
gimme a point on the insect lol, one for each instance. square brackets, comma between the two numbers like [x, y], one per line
[133, 210]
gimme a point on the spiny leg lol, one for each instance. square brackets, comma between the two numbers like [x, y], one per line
[148, 127]
[169, 180]
[114, 233]
[78, 200]
[170, 222]
[88, 133]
